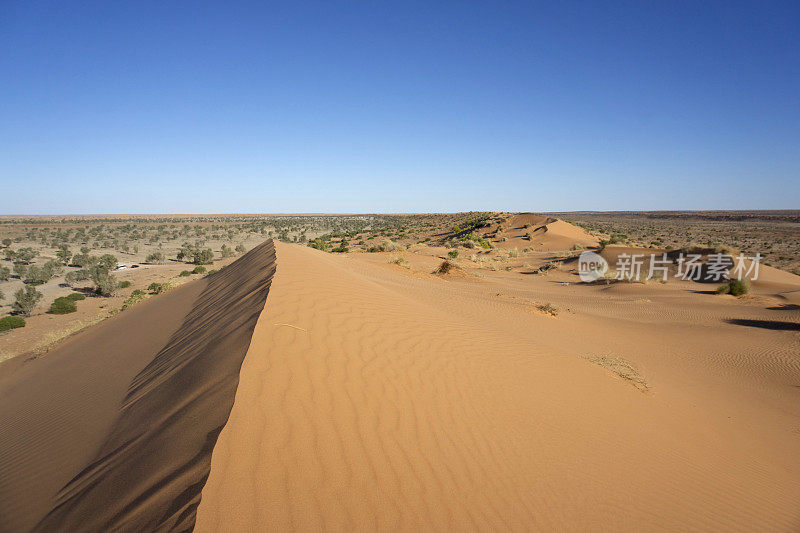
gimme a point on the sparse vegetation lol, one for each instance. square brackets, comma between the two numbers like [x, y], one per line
[136, 296]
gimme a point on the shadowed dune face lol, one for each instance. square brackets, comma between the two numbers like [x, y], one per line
[143, 466]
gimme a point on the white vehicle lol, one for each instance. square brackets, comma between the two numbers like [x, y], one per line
[121, 267]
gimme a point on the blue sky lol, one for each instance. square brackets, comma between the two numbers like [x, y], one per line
[176, 107]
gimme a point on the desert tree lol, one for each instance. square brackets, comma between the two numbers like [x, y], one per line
[20, 269]
[26, 255]
[155, 258]
[108, 261]
[203, 257]
[75, 276]
[26, 300]
[105, 283]
[64, 254]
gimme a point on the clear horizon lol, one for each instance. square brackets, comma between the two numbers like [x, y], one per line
[404, 108]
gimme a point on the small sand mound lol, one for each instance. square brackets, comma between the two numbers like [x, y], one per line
[540, 232]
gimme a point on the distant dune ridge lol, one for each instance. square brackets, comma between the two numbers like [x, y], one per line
[113, 431]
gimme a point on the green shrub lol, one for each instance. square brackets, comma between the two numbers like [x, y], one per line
[452, 254]
[5, 273]
[11, 322]
[185, 273]
[62, 306]
[199, 270]
[158, 288]
[124, 284]
[212, 271]
[76, 296]
[736, 287]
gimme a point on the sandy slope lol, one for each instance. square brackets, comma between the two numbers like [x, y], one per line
[378, 398]
[113, 430]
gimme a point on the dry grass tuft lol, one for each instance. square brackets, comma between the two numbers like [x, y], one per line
[445, 267]
[548, 308]
[620, 367]
[399, 261]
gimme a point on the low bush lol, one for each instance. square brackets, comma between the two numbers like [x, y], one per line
[736, 287]
[62, 306]
[452, 254]
[184, 273]
[75, 296]
[11, 322]
[135, 297]
[124, 284]
[157, 288]
[199, 270]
